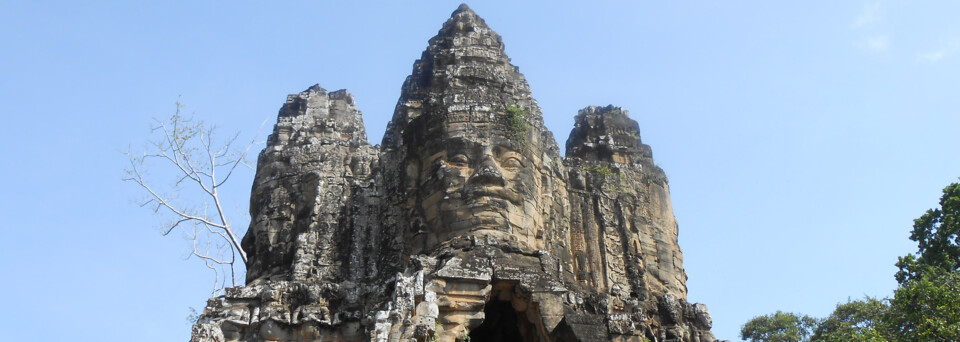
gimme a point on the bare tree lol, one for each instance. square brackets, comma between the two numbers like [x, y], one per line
[192, 202]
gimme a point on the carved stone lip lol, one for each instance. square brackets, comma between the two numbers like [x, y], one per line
[473, 194]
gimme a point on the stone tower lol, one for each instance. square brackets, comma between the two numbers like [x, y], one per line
[466, 223]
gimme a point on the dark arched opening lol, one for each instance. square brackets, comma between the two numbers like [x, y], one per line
[509, 315]
[500, 323]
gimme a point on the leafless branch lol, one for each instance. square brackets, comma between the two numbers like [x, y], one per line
[191, 151]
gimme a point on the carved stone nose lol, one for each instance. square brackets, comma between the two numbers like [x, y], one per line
[487, 173]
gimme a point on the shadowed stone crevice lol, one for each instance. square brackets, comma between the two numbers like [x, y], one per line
[465, 223]
[500, 323]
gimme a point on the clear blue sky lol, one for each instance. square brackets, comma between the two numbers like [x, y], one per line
[800, 139]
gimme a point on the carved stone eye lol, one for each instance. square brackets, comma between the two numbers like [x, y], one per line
[459, 160]
[511, 163]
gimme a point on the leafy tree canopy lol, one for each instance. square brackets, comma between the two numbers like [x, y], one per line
[937, 234]
[779, 327]
[926, 308]
[854, 321]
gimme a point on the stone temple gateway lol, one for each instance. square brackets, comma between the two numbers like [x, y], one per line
[466, 223]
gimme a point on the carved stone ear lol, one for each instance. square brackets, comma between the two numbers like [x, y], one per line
[231, 331]
[273, 331]
[411, 175]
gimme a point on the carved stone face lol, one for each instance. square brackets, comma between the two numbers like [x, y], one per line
[474, 183]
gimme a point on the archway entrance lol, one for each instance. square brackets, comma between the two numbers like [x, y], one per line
[500, 323]
[506, 317]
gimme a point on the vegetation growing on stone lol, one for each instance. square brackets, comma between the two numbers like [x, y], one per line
[465, 337]
[657, 176]
[605, 176]
[517, 122]
[602, 170]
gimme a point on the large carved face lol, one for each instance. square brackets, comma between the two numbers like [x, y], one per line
[477, 183]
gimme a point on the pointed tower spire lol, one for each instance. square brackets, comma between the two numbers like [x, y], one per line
[463, 7]
[465, 76]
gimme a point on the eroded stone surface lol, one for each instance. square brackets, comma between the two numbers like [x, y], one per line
[465, 223]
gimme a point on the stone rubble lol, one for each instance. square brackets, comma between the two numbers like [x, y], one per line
[464, 224]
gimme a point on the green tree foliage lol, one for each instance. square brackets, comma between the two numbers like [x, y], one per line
[855, 321]
[779, 327]
[937, 234]
[517, 121]
[926, 308]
